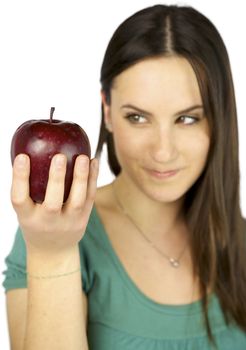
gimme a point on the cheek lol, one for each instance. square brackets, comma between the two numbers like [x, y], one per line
[198, 147]
[192, 146]
[127, 147]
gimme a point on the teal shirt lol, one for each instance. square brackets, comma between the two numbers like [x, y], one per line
[120, 316]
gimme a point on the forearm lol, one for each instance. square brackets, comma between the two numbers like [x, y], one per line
[55, 315]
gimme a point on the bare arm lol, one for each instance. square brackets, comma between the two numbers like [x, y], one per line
[55, 315]
[55, 312]
[16, 304]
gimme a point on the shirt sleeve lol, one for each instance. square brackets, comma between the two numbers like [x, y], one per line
[15, 273]
[86, 250]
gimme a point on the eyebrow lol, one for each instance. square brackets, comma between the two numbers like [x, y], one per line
[186, 110]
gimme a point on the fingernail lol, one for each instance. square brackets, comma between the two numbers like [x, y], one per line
[59, 161]
[21, 160]
[83, 161]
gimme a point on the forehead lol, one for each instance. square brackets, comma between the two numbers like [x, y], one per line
[170, 80]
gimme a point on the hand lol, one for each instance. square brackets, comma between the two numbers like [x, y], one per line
[52, 227]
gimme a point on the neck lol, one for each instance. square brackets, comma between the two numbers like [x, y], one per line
[152, 215]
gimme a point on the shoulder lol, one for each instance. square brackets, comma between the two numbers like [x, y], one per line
[104, 206]
[104, 198]
[96, 222]
[94, 247]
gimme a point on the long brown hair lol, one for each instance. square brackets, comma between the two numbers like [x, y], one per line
[212, 205]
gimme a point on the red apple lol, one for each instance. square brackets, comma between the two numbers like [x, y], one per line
[41, 140]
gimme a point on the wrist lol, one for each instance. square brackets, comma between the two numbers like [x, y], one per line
[53, 263]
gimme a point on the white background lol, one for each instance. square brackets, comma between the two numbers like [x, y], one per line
[51, 55]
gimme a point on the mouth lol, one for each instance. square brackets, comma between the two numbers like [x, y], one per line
[162, 174]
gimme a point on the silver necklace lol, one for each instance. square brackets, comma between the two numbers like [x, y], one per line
[174, 262]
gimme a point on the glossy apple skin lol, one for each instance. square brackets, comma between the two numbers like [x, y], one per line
[41, 140]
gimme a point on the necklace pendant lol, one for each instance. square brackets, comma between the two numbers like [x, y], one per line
[174, 262]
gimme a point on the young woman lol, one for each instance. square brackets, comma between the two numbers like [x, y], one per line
[161, 249]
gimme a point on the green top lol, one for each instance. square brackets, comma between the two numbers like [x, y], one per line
[120, 316]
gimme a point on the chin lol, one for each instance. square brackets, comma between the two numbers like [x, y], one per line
[163, 195]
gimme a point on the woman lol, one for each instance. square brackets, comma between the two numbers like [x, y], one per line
[161, 248]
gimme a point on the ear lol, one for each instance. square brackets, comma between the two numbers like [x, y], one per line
[107, 112]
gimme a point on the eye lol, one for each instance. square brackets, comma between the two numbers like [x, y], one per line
[135, 118]
[188, 120]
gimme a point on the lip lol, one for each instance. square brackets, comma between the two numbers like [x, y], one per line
[162, 175]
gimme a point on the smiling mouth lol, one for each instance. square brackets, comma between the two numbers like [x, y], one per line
[162, 175]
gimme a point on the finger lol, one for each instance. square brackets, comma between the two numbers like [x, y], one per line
[78, 189]
[92, 186]
[53, 200]
[20, 196]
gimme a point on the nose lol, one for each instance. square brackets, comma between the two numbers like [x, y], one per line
[163, 146]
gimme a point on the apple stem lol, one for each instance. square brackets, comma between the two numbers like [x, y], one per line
[52, 110]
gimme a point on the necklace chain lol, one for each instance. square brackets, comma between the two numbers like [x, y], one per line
[173, 262]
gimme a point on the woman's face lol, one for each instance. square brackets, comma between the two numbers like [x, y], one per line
[152, 131]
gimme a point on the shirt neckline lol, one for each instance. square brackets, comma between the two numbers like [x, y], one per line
[194, 307]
